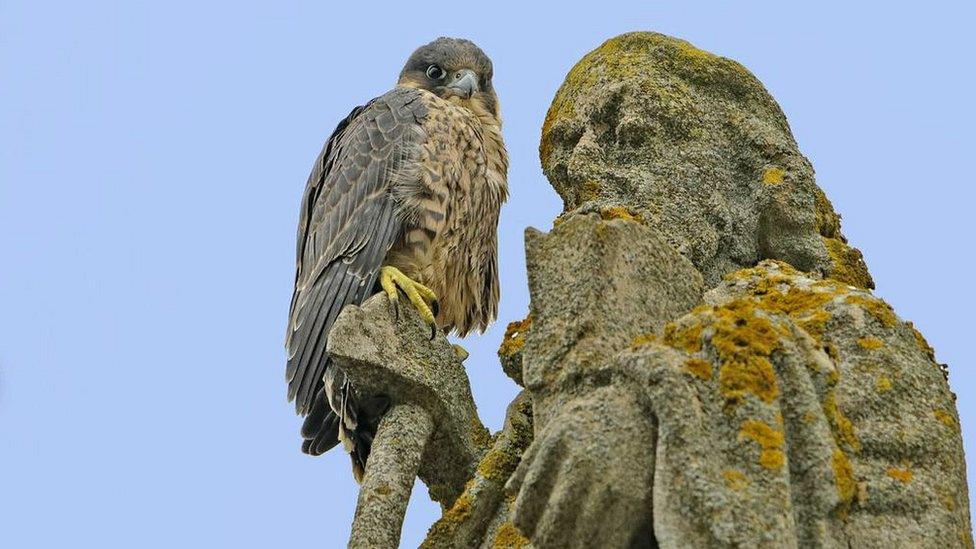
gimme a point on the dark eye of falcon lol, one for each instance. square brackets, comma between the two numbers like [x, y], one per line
[435, 73]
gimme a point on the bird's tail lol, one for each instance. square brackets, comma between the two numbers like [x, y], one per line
[338, 416]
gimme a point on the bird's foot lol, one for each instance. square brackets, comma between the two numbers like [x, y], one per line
[422, 297]
[460, 351]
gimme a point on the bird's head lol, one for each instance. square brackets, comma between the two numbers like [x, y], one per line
[456, 70]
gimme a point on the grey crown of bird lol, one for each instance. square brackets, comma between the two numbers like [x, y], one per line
[404, 198]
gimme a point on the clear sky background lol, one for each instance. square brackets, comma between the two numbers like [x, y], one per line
[152, 160]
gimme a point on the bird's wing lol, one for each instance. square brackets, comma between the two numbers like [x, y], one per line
[349, 220]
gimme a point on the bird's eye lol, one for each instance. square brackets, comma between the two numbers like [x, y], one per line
[435, 73]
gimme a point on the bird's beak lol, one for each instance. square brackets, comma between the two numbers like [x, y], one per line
[464, 83]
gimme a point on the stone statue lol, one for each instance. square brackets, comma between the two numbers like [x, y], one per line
[704, 364]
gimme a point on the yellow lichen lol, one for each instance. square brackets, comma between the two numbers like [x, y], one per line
[772, 459]
[621, 212]
[795, 302]
[509, 537]
[870, 343]
[514, 338]
[847, 264]
[828, 222]
[922, 343]
[948, 501]
[735, 480]
[686, 338]
[497, 465]
[699, 368]
[815, 323]
[843, 476]
[773, 176]
[644, 339]
[832, 351]
[946, 419]
[754, 375]
[774, 269]
[687, 50]
[883, 384]
[842, 428]
[804, 306]
[875, 307]
[775, 291]
[590, 190]
[501, 460]
[769, 439]
[480, 434]
[744, 341]
[833, 376]
[902, 475]
[442, 531]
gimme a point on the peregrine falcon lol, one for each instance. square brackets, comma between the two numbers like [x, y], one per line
[404, 197]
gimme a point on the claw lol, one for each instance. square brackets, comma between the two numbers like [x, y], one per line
[422, 297]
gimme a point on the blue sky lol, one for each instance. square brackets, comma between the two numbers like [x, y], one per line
[152, 159]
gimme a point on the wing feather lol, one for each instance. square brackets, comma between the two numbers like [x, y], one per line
[350, 218]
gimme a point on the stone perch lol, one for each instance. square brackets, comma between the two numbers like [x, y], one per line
[431, 430]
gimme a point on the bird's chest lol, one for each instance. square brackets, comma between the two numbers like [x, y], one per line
[460, 184]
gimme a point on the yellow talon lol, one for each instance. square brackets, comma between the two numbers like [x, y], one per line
[422, 297]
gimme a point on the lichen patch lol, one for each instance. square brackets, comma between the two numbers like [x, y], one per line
[901, 475]
[514, 338]
[773, 175]
[769, 439]
[735, 480]
[702, 369]
[870, 343]
[509, 537]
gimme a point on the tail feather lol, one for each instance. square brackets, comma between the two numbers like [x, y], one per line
[337, 416]
[321, 427]
[316, 416]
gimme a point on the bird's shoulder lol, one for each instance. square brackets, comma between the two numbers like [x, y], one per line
[370, 151]
[376, 132]
[398, 106]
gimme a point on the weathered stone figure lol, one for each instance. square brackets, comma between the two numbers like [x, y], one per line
[704, 363]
